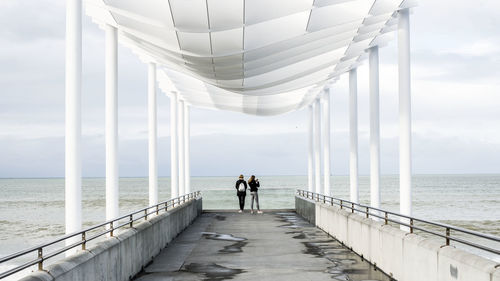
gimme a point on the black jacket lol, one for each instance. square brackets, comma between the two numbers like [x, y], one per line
[254, 186]
[238, 184]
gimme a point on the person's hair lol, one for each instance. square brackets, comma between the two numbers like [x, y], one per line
[241, 177]
[252, 178]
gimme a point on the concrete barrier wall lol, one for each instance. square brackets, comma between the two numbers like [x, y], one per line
[121, 257]
[306, 208]
[405, 256]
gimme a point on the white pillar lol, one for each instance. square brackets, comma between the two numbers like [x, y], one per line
[404, 112]
[317, 145]
[180, 134]
[73, 162]
[174, 162]
[187, 149]
[111, 82]
[152, 135]
[310, 154]
[326, 141]
[353, 135]
[374, 129]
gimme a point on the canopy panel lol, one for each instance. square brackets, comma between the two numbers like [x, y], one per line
[259, 57]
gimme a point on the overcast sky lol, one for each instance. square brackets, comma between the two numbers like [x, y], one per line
[455, 95]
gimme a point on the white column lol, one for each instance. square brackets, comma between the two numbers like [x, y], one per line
[187, 149]
[326, 141]
[73, 162]
[310, 154]
[111, 81]
[317, 145]
[404, 112]
[374, 129]
[174, 162]
[353, 135]
[152, 135]
[180, 134]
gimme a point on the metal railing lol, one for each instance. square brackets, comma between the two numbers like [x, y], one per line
[83, 237]
[407, 221]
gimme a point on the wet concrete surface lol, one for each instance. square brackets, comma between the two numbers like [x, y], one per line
[270, 246]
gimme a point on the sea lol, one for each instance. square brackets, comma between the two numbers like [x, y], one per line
[32, 210]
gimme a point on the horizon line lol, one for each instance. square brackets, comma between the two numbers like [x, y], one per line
[268, 175]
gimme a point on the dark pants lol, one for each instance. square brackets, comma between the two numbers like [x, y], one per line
[241, 197]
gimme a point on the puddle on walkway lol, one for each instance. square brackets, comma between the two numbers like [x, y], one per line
[229, 249]
[220, 218]
[299, 236]
[291, 220]
[345, 264]
[213, 271]
[221, 236]
[233, 248]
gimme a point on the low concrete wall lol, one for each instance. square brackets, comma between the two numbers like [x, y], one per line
[306, 208]
[121, 257]
[405, 256]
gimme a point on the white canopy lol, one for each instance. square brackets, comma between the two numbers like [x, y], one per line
[259, 57]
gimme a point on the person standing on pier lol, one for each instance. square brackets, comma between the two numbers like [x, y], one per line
[254, 187]
[241, 192]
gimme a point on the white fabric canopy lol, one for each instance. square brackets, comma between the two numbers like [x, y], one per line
[259, 57]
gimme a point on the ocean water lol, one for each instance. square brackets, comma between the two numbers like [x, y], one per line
[32, 210]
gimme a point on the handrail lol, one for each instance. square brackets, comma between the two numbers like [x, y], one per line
[404, 220]
[111, 227]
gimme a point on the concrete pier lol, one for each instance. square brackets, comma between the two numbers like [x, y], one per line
[278, 245]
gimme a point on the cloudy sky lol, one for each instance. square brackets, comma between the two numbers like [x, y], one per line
[455, 94]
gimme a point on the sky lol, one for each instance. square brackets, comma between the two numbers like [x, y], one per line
[455, 103]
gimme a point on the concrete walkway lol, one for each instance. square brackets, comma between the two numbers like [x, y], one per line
[272, 246]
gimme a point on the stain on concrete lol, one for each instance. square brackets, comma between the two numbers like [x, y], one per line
[213, 271]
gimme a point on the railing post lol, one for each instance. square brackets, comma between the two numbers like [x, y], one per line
[386, 219]
[331, 201]
[40, 256]
[341, 204]
[112, 228]
[367, 212]
[324, 199]
[146, 214]
[447, 236]
[411, 225]
[83, 241]
[157, 209]
[131, 218]
[352, 208]
[166, 206]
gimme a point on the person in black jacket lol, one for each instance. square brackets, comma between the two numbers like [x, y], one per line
[241, 192]
[254, 187]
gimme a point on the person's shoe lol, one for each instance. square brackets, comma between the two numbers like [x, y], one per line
[240, 211]
[259, 212]
[251, 212]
